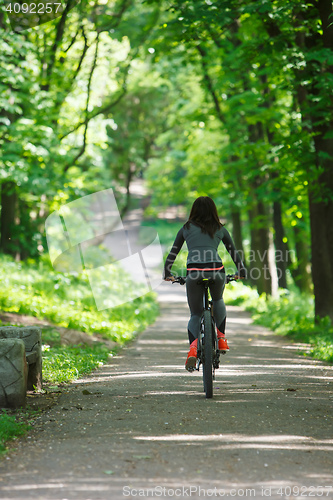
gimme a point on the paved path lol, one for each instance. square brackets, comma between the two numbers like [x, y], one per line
[145, 429]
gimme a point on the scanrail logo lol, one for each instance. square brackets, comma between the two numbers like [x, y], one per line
[120, 260]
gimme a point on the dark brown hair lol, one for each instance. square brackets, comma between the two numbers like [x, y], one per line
[204, 214]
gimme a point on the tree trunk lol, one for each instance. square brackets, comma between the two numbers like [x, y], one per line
[281, 251]
[302, 274]
[7, 219]
[321, 215]
[129, 176]
[260, 274]
[237, 233]
[2, 20]
[318, 118]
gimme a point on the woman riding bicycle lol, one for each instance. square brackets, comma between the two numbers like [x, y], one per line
[203, 233]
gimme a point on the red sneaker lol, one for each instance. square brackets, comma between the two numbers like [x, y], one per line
[192, 356]
[223, 345]
[222, 341]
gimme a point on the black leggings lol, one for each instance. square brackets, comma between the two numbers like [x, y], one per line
[195, 300]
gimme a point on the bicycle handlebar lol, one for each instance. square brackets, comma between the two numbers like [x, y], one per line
[179, 279]
[232, 277]
[228, 278]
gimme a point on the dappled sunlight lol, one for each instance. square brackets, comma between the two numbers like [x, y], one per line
[160, 342]
[267, 360]
[179, 368]
[293, 364]
[144, 374]
[239, 320]
[239, 441]
[319, 377]
[297, 346]
[145, 413]
[258, 369]
[171, 319]
[165, 393]
[61, 485]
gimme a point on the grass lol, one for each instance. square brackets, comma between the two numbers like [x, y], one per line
[67, 363]
[291, 314]
[11, 427]
[66, 300]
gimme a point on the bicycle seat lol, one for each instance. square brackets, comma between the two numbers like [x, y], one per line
[205, 281]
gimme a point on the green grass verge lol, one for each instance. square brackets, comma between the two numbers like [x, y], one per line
[35, 289]
[291, 314]
[11, 427]
[64, 363]
[66, 300]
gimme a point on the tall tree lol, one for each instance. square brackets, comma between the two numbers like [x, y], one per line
[316, 104]
[55, 82]
[274, 59]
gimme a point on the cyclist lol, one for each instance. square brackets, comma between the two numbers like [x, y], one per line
[203, 233]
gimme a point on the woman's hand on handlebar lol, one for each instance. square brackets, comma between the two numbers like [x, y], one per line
[241, 274]
[176, 279]
[233, 277]
[170, 278]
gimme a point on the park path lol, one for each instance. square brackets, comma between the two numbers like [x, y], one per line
[141, 426]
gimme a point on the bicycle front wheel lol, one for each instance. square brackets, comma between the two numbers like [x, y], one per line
[208, 354]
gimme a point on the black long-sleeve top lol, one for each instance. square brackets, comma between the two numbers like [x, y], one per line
[202, 249]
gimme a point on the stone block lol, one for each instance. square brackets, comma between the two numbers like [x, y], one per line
[13, 373]
[32, 338]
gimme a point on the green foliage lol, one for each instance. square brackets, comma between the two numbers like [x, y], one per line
[292, 314]
[66, 363]
[66, 300]
[166, 229]
[56, 81]
[236, 293]
[10, 428]
[227, 99]
[289, 313]
[261, 103]
[136, 125]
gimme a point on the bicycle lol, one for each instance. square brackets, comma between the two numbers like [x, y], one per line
[208, 353]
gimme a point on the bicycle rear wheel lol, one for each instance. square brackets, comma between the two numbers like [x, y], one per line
[208, 354]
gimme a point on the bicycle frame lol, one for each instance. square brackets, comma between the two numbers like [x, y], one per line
[205, 282]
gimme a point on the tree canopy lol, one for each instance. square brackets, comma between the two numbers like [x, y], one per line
[227, 99]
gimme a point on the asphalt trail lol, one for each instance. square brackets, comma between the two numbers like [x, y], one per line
[143, 428]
